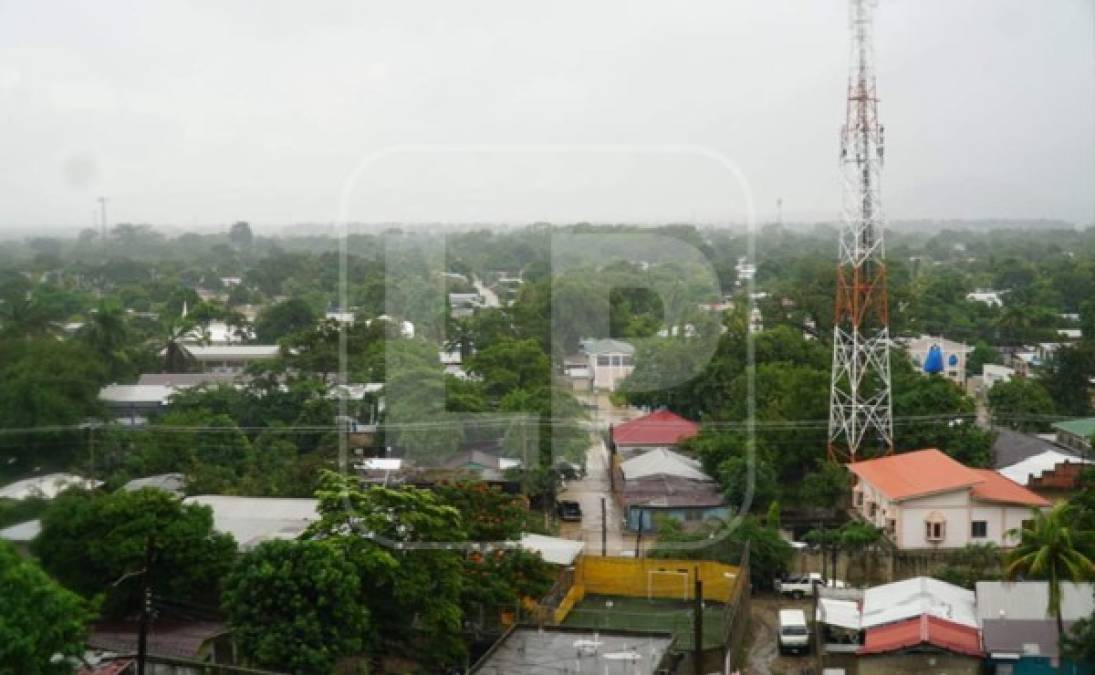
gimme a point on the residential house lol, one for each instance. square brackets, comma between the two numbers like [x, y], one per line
[1019, 635]
[919, 625]
[610, 361]
[175, 645]
[663, 483]
[660, 429]
[950, 361]
[925, 499]
[1076, 434]
[1023, 359]
[340, 316]
[548, 650]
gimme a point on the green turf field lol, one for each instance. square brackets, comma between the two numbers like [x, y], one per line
[625, 613]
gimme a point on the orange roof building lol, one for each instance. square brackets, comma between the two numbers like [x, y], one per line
[926, 499]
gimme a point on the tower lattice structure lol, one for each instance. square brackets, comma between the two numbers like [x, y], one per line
[860, 402]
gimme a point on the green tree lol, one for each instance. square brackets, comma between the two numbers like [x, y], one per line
[972, 563]
[769, 552]
[412, 589]
[1050, 550]
[284, 319]
[825, 487]
[39, 619]
[107, 334]
[296, 605]
[89, 541]
[1079, 643]
[1021, 404]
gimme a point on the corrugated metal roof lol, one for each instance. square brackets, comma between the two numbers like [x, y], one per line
[1011, 446]
[154, 394]
[606, 346]
[1044, 462]
[47, 486]
[924, 629]
[663, 462]
[662, 427]
[554, 550]
[22, 533]
[1082, 427]
[902, 600]
[1019, 600]
[842, 613]
[253, 520]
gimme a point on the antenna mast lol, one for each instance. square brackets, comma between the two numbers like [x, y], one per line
[860, 402]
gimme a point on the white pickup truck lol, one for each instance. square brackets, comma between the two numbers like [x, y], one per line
[802, 585]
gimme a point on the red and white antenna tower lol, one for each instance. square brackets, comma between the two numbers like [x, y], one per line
[860, 402]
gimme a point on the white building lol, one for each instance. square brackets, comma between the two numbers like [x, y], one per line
[953, 356]
[610, 361]
[925, 499]
[229, 358]
[993, 374]
[990, 298]
[47, 486]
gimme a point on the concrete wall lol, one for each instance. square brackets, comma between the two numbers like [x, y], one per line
[915, 664]
[608, 377]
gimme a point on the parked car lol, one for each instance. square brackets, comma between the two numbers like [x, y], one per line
[794, 634]
[569, 511]
[802, 585]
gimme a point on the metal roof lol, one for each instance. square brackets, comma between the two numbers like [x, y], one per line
[152, 394]
[923, 630]
[1010, 447]
[253, 520]
[1028, 600]
[1082, 427]
[213, 352]
[913, 474]
[554, 550]
[662, 427]
[22, 533]
[1035, 466]
[47, 486]
[174, 483]
[606, 346]
[842, 613]
[910, 598]
[664, 462]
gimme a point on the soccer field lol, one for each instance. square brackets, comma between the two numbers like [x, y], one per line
[659, 614]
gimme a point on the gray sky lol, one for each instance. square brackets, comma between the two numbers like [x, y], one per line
[201, 113]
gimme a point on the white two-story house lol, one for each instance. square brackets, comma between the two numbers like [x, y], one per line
[925, 499]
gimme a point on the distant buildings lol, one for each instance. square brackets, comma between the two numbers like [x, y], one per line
[992, 374]
[925, 499]
[988, 297]
[1019, 635]
[609, 361]
[47, 486]
[229, 358]
[462, 305]
[1076, 434]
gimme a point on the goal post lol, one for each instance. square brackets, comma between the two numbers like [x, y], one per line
[662, 584]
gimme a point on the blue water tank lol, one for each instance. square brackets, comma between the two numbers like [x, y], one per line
[933, 363]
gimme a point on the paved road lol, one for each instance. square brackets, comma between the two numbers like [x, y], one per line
[490, 298]
[764, 657]
[595, 485]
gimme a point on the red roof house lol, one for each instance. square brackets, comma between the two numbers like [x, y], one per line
[924, 630]
[660, 429]
[927, 499]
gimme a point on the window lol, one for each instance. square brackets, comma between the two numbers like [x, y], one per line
[616, 360]
[602, 360]
[935, 527]
[628, 360]
[979, 529]
[858, 498]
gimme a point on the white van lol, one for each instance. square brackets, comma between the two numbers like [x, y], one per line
[794, 634]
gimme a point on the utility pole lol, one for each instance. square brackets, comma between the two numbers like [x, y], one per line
[860, 398]
[102, 217]
[604, 529]
[146, 609]
[697, 627]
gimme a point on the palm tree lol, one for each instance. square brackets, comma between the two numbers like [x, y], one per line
[107, 333]
[175, 334]
[1050, 549]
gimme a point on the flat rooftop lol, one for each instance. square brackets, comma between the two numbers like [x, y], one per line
[556, 649]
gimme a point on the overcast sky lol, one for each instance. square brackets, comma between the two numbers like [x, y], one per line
[190, 114]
